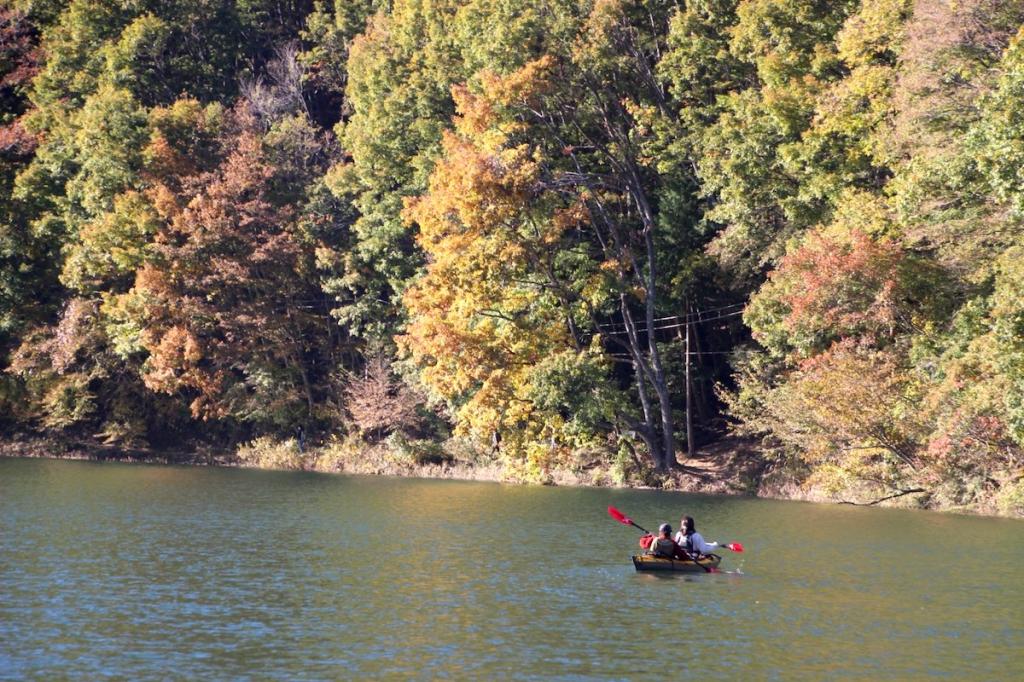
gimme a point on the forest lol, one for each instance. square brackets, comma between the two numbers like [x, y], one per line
[548, 235]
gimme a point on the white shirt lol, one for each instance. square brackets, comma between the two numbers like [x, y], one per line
[698, 543]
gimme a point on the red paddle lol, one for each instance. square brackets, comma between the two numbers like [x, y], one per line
[623, 519]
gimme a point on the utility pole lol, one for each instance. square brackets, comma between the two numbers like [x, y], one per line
[689, 392]
[690, 450]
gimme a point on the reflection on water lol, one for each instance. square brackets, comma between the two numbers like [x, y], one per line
[153, 572]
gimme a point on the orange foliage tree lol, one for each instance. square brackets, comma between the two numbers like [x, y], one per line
[226, 296]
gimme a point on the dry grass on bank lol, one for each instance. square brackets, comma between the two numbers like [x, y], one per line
[391, 457]
[730, 467]
[725, 468]
[721, 469]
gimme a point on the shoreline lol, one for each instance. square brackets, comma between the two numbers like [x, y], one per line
[722, 471]
[727, 467]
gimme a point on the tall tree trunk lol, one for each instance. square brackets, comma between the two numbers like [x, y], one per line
[642, 372]
[650, 300]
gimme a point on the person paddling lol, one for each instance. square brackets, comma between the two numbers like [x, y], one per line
[664, 546]
[691, 541]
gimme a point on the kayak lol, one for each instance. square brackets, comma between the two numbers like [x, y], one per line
[646, 562]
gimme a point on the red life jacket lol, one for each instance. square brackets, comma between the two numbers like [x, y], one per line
[666, 547]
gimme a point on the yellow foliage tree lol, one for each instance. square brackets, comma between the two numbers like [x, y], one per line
[490, 308]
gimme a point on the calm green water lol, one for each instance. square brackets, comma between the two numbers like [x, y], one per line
[142, 572]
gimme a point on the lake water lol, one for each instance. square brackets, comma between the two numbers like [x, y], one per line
[111, 571]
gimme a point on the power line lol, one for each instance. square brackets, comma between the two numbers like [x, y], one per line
[668, 326]
[698, 313]
[695, 317]
[693, 352]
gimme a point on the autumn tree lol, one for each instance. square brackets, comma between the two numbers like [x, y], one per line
[379, 402]
[495, 303]
[22, 260]
[563, 153]
[227, 299]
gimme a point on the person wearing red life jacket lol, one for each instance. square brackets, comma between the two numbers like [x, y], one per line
[664, 546]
